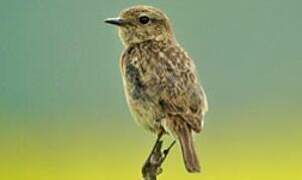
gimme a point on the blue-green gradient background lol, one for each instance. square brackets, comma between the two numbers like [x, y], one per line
[62, 111]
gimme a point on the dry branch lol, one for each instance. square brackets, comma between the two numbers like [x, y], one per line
[152, 166]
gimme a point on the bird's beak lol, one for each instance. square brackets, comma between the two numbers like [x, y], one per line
[115, 21]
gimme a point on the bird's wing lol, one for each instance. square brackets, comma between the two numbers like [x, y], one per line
[182, 95]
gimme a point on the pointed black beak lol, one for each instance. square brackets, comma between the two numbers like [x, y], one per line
[115, 21]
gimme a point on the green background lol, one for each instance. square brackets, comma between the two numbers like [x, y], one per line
[63, 115]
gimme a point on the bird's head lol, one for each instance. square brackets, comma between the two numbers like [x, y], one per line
[142, 23]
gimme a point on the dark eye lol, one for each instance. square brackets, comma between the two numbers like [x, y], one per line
[144, 19]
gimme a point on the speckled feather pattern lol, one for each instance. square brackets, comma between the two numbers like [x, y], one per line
[160, 81]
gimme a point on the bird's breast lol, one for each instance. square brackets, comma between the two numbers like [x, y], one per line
[141, 86]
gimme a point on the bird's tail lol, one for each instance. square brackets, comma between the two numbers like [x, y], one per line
[190, 158]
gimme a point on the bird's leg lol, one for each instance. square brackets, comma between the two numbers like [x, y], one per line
[157, 146]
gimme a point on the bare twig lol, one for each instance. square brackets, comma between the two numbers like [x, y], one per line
[152, 166]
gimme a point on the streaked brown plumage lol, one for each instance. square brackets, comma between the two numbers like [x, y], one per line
[160, 79]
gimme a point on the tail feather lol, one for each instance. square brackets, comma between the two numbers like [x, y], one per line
[188, 151]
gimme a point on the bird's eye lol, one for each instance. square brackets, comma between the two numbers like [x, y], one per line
[144, 19]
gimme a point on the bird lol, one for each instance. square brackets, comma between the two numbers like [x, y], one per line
[160, 80]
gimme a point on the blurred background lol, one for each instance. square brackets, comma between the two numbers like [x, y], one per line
[63, 115]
